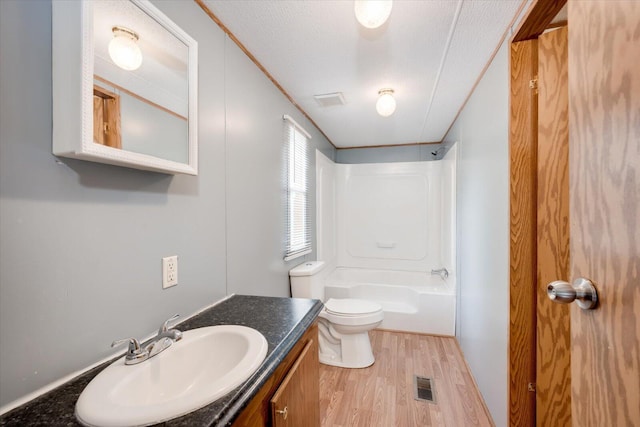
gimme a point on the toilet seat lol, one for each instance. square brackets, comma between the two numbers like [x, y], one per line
[352, 312]
[351, 306]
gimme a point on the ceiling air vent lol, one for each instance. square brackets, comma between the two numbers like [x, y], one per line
[330, 99]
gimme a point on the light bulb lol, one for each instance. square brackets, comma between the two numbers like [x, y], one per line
[386, 104]
[372, 13]
[124, 50]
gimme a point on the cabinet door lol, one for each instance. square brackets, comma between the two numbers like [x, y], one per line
[297, 400]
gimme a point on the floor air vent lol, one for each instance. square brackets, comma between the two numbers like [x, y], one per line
[423, 388]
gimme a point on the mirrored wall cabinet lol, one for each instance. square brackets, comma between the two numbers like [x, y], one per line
[125, 84]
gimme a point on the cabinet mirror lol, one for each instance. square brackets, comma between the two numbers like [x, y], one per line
[124, 86]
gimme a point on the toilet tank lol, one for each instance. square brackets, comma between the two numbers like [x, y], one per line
[306, 281]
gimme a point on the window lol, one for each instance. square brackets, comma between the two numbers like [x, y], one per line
[298, 238]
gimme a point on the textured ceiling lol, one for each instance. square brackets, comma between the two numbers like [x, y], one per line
[431, 52]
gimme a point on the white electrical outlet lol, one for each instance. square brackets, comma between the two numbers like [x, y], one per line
[169, 271]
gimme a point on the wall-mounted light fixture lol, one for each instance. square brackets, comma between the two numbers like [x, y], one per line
[386, 104]
[124, 50]
[372, 13]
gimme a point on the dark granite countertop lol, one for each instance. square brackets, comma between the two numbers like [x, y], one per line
[282, 321]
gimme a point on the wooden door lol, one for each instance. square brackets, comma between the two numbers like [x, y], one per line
[106, 117]
[297, 400]
[604, 163]
[553, 341]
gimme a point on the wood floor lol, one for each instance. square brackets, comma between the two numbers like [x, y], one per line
[382, 394]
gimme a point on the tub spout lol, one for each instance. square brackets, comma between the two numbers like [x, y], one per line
[442, 272]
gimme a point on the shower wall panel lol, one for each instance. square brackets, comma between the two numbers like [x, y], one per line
[389, 215]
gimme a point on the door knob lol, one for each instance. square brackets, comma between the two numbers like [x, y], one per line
[582, 291]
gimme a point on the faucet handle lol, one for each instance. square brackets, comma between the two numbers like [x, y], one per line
[135, 354]
[134, 344]
[165, 325]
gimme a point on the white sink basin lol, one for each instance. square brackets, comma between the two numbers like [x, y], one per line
[195, 371]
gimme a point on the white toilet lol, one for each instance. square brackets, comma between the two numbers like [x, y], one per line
[343, 324]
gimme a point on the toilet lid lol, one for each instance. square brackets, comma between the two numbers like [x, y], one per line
[351, 306]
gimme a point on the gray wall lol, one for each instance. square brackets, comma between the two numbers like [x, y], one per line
[81, 243]
[255, 215]
[151, 130]
[483, 233]
[404, 153]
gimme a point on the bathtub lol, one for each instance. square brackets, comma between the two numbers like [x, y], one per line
[412, 301]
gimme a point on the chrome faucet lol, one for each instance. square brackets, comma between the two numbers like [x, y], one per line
[172, 333]
[159, 343]
[442, 272]
[135, 354]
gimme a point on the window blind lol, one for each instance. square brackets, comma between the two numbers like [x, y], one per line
[298, 224]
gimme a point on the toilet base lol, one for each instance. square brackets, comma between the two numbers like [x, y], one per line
[351, 350]
[327, 360]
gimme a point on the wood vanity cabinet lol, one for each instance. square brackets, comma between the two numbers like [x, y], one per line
[292, 390]
[295, 402]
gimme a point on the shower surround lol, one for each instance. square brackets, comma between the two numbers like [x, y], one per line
[382, 228]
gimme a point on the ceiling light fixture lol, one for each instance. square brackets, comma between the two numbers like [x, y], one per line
[124, 50]
[372, 13]
[386, 104]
